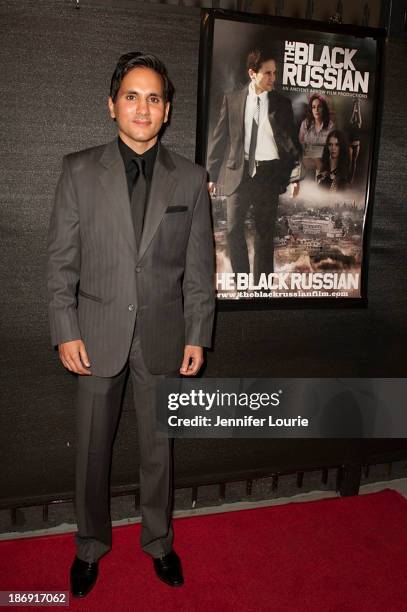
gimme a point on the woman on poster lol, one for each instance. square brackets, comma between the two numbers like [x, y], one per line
[313, 133]
[335, 164]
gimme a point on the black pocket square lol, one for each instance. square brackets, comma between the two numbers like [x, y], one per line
[173, 209]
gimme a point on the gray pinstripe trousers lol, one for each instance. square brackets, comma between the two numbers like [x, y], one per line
[98, 411]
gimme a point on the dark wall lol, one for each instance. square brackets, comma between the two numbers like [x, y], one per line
[56, 68]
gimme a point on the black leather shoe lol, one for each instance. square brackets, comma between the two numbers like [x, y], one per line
[83, 577]
[169, 570]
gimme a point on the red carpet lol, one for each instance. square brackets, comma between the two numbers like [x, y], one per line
[337, 555]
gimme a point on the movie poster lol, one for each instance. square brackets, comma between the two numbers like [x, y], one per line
[289, 170]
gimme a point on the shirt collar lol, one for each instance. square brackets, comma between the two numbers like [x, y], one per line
[128, 155]
[263, 95]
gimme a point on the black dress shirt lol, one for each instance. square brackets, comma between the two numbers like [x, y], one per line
[130, 167]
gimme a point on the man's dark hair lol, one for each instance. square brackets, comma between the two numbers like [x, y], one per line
[257, 57]
[137, 59]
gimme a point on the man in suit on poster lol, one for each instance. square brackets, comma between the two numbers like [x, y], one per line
[252, 153]
[130, 284]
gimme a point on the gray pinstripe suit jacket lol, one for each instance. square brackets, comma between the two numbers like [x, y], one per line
[98, 284]
[226, 152]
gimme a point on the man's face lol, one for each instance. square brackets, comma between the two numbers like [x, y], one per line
[265, 78]
[333, 146]
[139, 108]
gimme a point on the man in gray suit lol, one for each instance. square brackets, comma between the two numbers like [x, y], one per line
[252, 153]
[130, 283]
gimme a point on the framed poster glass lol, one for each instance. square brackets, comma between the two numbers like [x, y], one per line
[288, 116]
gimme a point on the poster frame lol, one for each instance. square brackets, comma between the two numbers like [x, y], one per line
[208, 19]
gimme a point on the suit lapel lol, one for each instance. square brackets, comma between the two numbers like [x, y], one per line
[283, 140]
[240, 101]
[113, 178]
[161, 190]
[272, 118]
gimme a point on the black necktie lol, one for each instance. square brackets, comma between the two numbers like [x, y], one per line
[138, 199]
[253, 139]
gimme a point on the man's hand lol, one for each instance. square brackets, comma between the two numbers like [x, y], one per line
[212, 189]
[74, 357]
[193, 359]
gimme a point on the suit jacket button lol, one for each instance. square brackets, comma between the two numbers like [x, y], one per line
[131, 307]
[138, 269]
